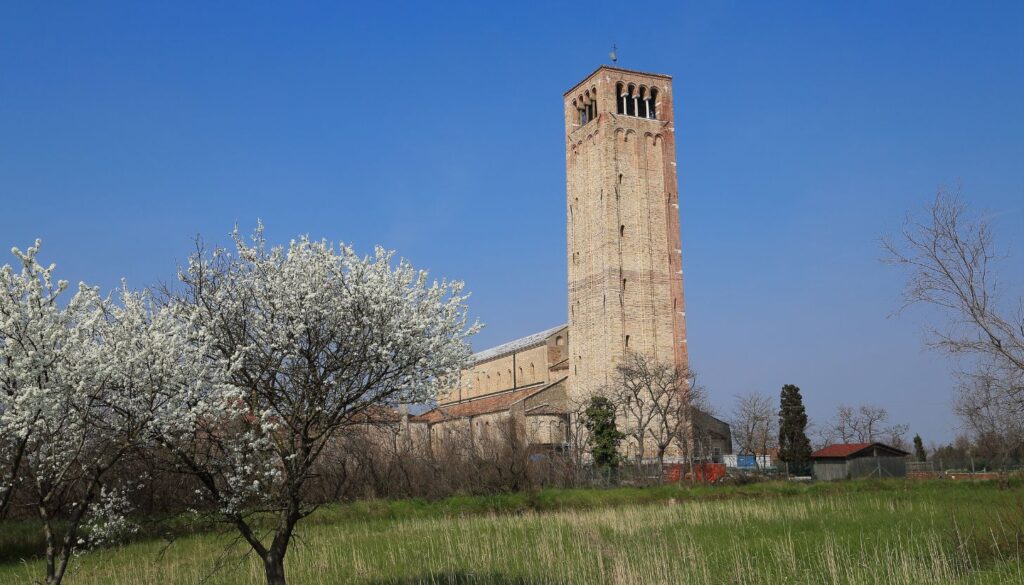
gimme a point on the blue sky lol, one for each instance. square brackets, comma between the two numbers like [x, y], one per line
[805, 131]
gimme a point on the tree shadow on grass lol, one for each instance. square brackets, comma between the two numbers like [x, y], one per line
[462, 578]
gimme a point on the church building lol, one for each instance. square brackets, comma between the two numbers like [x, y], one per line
[625, 276]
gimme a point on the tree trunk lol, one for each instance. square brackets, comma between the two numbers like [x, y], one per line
[273, 565]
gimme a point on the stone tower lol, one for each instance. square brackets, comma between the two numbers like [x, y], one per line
[624, 251]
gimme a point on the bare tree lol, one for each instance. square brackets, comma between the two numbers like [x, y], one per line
[754, 423]
[652, 397]
[989, 410]
[896, 436]
[868, 424]
[864, 424]
[843, 427]
[631, 392]
[576, 430]
[673, 391]
[949, 259]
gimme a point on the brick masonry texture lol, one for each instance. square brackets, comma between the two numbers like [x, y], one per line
[624, 254]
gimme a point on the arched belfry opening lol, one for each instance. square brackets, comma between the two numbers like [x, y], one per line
[586, 106]
[636, 100]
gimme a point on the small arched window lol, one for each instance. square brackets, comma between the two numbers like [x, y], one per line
[622, 231]
[559, 341]
[627, 341]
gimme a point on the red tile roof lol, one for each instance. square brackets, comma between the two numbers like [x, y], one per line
[847, 449]
[475, 407]
[840, 450]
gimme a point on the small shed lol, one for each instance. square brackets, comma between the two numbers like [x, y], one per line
[853, 460]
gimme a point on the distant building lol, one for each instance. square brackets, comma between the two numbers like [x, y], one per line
[625, 275]
[712, 437]
[854, 460]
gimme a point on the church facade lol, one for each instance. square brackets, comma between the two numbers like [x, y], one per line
[625, 277]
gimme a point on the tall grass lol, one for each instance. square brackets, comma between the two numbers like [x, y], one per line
[871, 532]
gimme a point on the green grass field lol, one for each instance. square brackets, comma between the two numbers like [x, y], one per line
[854, 532]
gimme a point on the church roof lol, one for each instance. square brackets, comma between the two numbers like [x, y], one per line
[514, 346]
[478, 406]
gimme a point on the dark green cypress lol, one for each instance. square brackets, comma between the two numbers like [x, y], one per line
[794, 446]
[599, 418]
[919, 453]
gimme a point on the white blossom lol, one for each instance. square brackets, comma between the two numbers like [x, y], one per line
[304, 338]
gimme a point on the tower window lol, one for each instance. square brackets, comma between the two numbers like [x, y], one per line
[586, 107]
[627, 341]
[622, 231]
[640, 102]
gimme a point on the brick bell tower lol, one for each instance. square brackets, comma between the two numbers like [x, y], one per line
[624, 251]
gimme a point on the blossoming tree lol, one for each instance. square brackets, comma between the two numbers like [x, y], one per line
[308, 340]
[83, 385]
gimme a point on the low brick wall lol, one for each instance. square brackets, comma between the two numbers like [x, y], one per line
[966, 475]
[986, 475]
